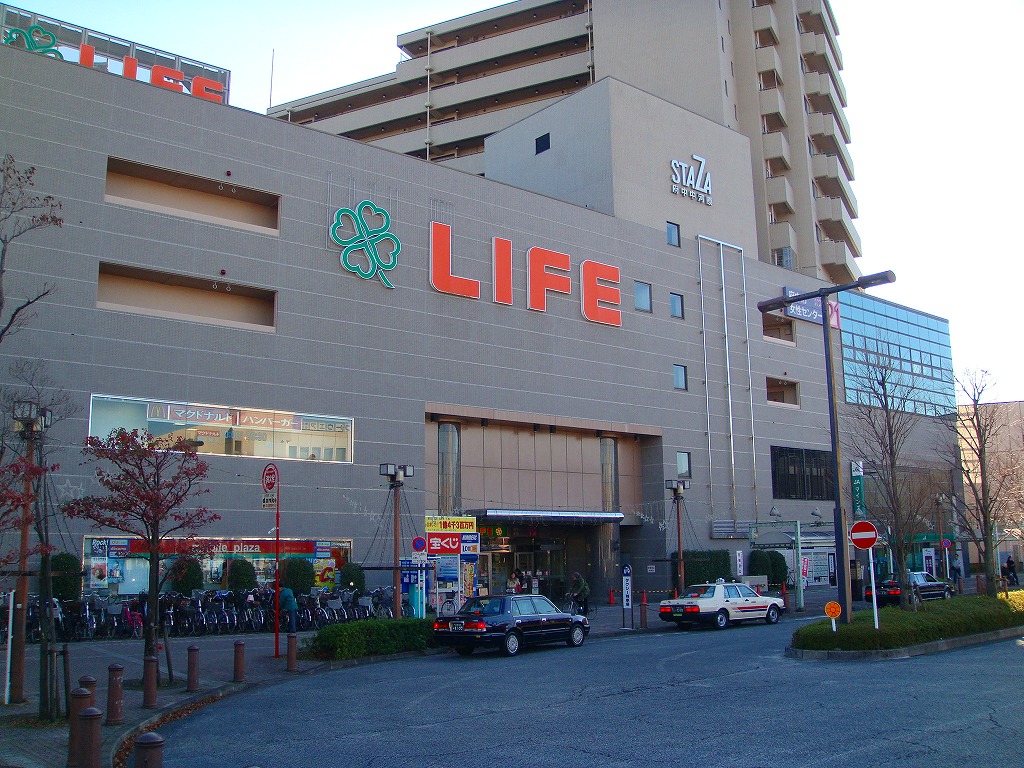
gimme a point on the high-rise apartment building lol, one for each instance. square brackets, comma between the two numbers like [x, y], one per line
[768, 69]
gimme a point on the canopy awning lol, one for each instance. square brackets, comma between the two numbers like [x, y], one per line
[549, 516]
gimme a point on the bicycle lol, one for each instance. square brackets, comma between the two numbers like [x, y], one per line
[574, 606]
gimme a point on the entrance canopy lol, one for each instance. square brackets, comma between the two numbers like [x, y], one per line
[549, 516]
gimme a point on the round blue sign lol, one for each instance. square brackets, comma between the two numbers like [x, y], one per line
[626, 570]
[419, 544]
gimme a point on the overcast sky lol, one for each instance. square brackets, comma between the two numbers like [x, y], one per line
[933, 88]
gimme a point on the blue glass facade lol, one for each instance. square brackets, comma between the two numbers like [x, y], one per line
[913, 344]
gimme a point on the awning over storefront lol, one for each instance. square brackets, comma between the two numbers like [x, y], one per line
[549, 516]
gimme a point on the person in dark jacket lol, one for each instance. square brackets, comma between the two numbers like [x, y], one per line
[289, 606]
[1011, 571]
[580, 590]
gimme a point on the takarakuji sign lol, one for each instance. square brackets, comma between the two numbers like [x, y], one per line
[361, 230]
[692, 180]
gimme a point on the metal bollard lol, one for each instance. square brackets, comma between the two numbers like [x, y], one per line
[293, 655]
[239, 662]
[89, 683]
[149, 675]
[89, 746]
[193, 669]
[80, 701]
[115, 694]
[149, 751]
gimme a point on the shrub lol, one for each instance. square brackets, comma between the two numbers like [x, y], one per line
[187, 575]
[760, 564]
[352, 573]
[67, 576]
[297, 574]
[706, 565]
[241, 575]
[779, 569]
[898, 628]
[355, 639]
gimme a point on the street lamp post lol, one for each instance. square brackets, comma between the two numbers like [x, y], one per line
[677, 487]
[32, 422]
[839, 514]
[397, 473]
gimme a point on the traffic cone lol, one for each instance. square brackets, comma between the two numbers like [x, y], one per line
[675, 593]
[643, 597]
[611, 596]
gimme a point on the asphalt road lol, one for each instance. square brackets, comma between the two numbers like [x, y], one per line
[698, 697]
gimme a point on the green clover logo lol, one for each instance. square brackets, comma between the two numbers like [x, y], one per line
[35, 39]
[365, 240]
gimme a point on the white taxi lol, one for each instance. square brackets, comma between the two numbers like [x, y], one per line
[719, 604]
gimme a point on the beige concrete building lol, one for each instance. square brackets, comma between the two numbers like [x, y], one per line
[767, 69]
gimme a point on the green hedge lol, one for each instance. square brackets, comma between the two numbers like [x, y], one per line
[355, 639]
[898, 628]
[704, 566]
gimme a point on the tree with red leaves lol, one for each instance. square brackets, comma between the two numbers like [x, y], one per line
[21, 212]
[151, 479]
[18, 480]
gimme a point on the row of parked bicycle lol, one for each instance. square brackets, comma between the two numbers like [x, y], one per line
[204, 613]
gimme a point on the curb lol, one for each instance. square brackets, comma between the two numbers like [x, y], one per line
[907, 652]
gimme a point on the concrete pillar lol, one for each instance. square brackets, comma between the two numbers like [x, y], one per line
[239, 662]
[149, 751]
[193, 669]
[115, 694]
[149, 679]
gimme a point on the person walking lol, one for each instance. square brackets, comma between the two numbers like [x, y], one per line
[1011, 571]
[289, 607]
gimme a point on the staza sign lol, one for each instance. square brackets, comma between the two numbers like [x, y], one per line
[692, 180]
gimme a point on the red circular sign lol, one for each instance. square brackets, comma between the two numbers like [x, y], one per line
[270, 478]
[419, 544]
[863, 535]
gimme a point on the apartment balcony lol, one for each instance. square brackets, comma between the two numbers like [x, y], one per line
[820, 58]
[824, 129]
[837, 223]
[816, 16]
[782, 235]
[831, 179]
[471, 54]
[779, 193]
[766, 25]
[776, 147]
[773, 105]
[824, 97]
[836, 253]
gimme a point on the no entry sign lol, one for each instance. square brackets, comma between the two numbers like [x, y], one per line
[863, 535]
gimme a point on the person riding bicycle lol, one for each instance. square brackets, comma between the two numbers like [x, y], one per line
[289, 607]
[579, 591]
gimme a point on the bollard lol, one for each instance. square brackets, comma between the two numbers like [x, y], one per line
[239, 662]
[80, 700]
[611, 597]
[643, 615]
[293, 654]
[89, 683]
[115, 694]
[149, 675]
[91, 741]
[149, 751]
[193, 669]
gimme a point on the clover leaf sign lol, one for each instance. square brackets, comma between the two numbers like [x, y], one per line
[365, 241]
[35, 39]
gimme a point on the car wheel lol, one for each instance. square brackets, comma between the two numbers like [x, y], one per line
[512, 644]
[576, 636]
[947, 595]
[721, 620]
[771, 616]
[464, 650]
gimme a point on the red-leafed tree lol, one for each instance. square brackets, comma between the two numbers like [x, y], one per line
[14, 496]
[149, 481]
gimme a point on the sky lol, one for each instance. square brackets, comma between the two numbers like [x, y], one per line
[932, 92]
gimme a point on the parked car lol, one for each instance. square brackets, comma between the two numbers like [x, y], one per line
[719, 604]
[509, 622]
[923, 586]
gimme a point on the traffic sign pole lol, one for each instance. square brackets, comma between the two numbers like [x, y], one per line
[864, 535]
[874, 592]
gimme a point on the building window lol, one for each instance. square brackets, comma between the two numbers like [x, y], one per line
[799, 473]
[782, 391]
[675, 304]
[683, 464]
[449, 469]
[542, 143]
[672, 231]
[777, 327]
[609, 474]
[679, 376]
[783, 257]
[642, 297]
[228, 430]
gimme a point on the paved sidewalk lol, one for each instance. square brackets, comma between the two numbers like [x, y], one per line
[46, 747]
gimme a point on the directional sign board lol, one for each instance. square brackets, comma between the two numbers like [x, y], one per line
[627, 587]
[863, 535]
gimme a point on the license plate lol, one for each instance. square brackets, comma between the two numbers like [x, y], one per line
[677, 611]
[457, 626]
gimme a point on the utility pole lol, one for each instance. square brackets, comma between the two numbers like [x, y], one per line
[396, 474]
[677, 487]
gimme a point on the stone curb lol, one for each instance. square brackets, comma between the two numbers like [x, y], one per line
[936, 646]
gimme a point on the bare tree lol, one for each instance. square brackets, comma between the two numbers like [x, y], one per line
[989, 446]
[880, 428]
[21, 212]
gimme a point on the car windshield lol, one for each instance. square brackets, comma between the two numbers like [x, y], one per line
[482, 606]
[700, 591]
